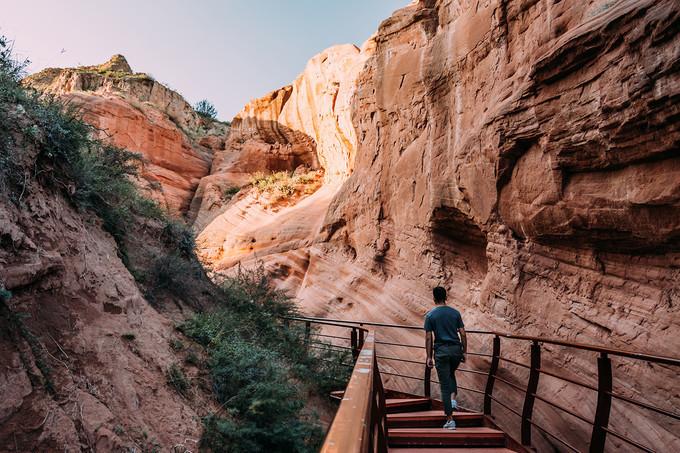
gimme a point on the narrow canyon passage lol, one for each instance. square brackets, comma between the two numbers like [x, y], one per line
[524, 155]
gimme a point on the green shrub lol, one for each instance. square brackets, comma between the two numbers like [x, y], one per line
[284, 184]
[10, 68]
[270, 182]
[286, 190]
[173, 274]
[192, 358]
[176, 344]
[229, 192]
[261, 369]
[178, 380]
[205, 109]
[178, 236]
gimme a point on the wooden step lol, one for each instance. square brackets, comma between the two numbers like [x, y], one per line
[450, 450]
[397, 405]
[432, 419]
[460, 437]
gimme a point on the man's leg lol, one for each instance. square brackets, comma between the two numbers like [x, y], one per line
[455, 362]
[443, 365]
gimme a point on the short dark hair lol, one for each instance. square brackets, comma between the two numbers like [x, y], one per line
[439, 294]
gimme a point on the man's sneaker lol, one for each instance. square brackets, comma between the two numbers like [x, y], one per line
[454, 404]
[450, 425]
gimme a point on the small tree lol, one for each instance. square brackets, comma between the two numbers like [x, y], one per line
[206, 109]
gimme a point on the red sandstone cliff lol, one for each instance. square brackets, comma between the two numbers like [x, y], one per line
[140, 114]
[307, 123]
[524, 154]
[85, 355]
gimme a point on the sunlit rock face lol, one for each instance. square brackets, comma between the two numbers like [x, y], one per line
[135, 112]
[306, 124]
[523, 154]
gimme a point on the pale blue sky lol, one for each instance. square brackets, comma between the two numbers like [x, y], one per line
[227, 51]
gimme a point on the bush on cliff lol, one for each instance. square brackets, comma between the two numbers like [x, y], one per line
[205, 109]
[44, 141]
[283, 185]
[94, 175]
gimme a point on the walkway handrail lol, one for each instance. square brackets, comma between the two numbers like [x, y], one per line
[604, 386]
[359, 424]
[666, 360]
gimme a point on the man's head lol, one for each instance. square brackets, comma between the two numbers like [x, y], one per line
[439, 294]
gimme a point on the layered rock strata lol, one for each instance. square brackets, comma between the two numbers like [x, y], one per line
[135, 112]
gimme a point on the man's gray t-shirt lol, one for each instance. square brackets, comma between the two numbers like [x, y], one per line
[444, 321]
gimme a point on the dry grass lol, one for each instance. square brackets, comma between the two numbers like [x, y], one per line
[284, 185]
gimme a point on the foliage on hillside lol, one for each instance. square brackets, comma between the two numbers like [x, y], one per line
[95, 176]
[206, 109]
[262, 370]
[282, 185]
[45, 143]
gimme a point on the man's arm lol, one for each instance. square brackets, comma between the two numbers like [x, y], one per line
[463, 340]
[428, 348]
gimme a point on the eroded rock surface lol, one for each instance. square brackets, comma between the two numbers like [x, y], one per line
[524, 154]
[84, 355]
[306, 124]
[136, 112]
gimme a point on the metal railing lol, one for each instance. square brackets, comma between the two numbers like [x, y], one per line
[604, 387]
[360, 424]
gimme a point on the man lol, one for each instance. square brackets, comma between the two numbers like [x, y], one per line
[445, 324]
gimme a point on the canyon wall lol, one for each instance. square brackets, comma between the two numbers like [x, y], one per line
[135, 112]
[523, 154]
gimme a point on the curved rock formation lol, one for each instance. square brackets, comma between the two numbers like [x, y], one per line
[137, 113]
[525, 155]
[522, 153]
[307, 123]
[320, 106]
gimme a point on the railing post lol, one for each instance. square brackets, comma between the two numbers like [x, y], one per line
[491, 378]
[604, 403]
[308, 331]
[532, 388]
[361, 337]
[354, 344]
[380, 408]
[427, 391]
